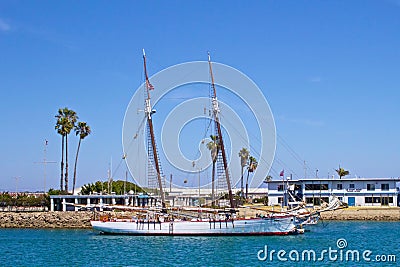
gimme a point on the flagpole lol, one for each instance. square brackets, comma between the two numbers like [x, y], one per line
[283, 187]
[284, 191]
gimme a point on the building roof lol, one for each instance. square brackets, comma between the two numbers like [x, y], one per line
[344, 179]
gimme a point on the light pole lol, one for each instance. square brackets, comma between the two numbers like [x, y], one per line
[170, 183]
[126, 179]
[199, 186]
[199, 170]
[16, 184]
[126, 174]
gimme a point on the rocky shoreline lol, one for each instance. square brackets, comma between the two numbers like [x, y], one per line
[363, 214]
[348, 214]
[81, 219]
[51, 220]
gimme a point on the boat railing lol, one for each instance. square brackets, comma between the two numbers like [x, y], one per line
[141, 224]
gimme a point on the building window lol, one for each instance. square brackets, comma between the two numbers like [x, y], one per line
[325, 199]
[316, 200]
[351, 186]
[339, 186]
[370, 187]
[309, 200]
[317, 187]
[379, 200]
[369, 200]
[280, 199]
[384, 186]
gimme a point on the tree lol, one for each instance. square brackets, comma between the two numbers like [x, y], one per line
[268, 179]
[213, 146]
[252, 166]
[342, 172]
[118, 187]
[55, 192]
[60, 130]
[88, 189]
[244, 157]
[66, 120]
[71, 118]
[83, 130]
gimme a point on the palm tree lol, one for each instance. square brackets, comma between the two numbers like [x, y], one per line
[268, 179]
[244, 157]
[252, 167]
[342, 172]
[83, 130]
[71, 118]
[213, 146]
[66, 119]
[61, 130]
[88, 189]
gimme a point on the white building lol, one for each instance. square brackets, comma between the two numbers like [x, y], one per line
[175, 197]
[190, 196]
[79, 202]
[353, 191]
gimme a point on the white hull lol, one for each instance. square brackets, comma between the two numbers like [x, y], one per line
[257, 226]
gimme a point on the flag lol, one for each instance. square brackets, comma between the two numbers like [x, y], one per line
[149, 85]
[282, 173]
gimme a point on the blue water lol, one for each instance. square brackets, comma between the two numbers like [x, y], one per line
[29, 247]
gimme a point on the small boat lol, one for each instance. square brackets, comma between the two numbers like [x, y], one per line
[308, 219]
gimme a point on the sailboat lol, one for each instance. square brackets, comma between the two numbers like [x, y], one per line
[167, 221]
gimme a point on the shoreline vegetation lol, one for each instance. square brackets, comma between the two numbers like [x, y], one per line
[81, 219]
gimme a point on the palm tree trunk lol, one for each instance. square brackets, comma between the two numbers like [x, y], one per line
[241, 185]
[62, 163]
[76, 161]
[247, 184]
[66, 163]
[213, 185]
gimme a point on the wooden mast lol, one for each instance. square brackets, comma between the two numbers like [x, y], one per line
[220, 140]
[149, 112]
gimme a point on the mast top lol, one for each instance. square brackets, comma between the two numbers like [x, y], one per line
[149, 86]
[212, 77]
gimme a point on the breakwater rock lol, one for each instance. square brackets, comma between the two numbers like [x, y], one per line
[363, 214]
[348, 214]
[81, 219]
[73, 220]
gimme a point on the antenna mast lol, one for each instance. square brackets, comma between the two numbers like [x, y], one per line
[45, 162]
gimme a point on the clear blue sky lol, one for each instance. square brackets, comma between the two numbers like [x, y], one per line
[329, 70]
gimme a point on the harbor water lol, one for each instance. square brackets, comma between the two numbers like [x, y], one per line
[343, 243]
